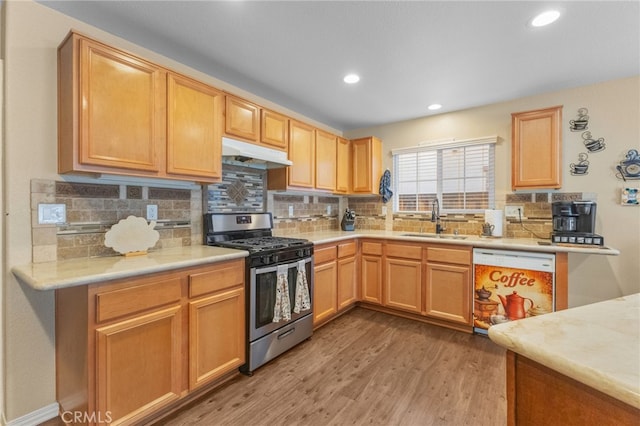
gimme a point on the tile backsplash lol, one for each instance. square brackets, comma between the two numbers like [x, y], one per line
[91, 210]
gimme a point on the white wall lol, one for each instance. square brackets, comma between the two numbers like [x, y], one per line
[31, 34]
[614, 111]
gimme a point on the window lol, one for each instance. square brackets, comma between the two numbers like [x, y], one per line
[459, 174]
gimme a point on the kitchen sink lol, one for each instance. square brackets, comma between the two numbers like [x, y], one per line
[444, 236]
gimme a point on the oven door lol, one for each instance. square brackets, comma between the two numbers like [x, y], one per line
[262, 297]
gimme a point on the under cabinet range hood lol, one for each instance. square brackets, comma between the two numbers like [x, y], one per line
[238, 152]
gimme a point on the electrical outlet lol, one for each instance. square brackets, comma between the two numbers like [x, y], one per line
[329, 210]
[290, 211]
[152, 212]
[512, 211]
[384, 210]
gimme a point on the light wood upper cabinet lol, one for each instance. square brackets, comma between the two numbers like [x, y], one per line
[343, 166]
[274, 130]
[536, 153]
[194, 123]
[302, 152]
[367, 165]
[120, 114]
[111, 109]
[326, 156]
[242, 118]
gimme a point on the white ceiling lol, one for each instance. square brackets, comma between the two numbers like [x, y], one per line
[460, 54]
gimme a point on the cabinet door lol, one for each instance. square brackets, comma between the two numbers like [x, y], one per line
[536, 149]
[325, 160]
[324, 292]
[403, 284]
[302, 153]
[139, 364]
[194, 129]
[216, 336]
[274, 130]
[347, 282]
[242, 118]
[121, 120]
[367, 165]
[448, 291]
[343, 164]
[371, 275]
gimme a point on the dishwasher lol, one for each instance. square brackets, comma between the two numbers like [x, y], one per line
[511, 285]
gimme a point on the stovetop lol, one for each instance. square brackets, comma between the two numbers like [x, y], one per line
[264, 243]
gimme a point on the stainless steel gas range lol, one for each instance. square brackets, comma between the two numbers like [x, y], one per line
[279, 277]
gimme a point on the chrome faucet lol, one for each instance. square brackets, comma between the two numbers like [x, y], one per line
[435, 216]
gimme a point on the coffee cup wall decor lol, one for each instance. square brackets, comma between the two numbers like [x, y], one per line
[581, 123]
[580, 168]
[592, 144]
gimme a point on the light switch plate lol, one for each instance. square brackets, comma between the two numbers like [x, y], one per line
[152, 212]
[52, 214]
[290, 211]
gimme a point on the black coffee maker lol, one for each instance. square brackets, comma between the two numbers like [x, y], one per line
[574, 222]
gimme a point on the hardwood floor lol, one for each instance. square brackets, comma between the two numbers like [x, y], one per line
[368, 368]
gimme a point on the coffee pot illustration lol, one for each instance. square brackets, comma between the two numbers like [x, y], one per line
[514, 305]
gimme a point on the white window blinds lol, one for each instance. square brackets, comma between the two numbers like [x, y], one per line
[459, 174]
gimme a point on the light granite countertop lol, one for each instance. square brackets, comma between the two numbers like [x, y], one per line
[73, 272]
[597, 344]
[67, 273]
[528, 244]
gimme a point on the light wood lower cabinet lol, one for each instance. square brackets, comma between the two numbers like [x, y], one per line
[448, 284]
[403, 277]
[216, 335]
[138, 362]
[347, 274]
[130, 347]
[335, 280]
[371, 271]
[325, 300]
[538, 395]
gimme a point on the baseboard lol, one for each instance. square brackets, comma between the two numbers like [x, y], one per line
[36, 417]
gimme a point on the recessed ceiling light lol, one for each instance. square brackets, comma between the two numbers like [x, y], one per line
[545, 18]
[351, 78]
[434, 107]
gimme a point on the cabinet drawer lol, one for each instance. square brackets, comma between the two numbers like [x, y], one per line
[138, 298]
[347, 249]
[324, 254]
[447, 255]
[404, 251]
[369, 247]
[218, 278]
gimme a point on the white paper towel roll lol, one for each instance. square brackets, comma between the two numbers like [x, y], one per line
[495, 218]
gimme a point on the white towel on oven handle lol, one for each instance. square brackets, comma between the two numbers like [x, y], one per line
[303, 301]
[282, 307]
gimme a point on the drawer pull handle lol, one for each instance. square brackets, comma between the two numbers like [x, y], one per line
[286, 333]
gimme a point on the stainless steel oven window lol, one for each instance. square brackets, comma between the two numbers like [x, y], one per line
[263, 283]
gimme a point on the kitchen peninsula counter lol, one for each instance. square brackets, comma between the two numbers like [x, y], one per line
[74, 272]
[527, 244]
[597, 345]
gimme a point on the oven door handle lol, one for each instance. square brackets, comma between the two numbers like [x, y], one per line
[269, 269]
